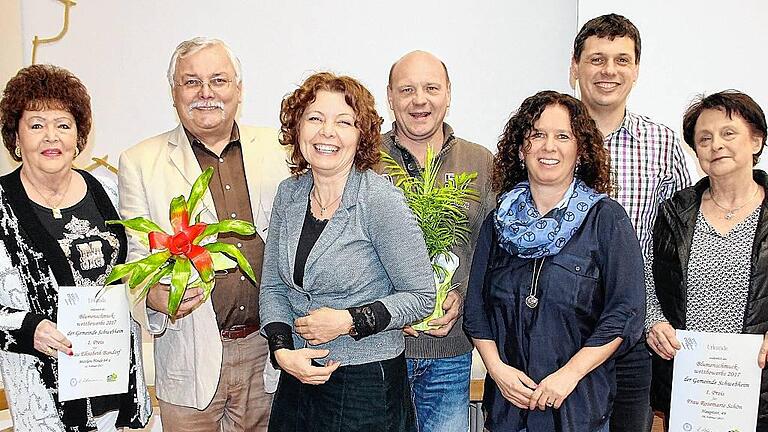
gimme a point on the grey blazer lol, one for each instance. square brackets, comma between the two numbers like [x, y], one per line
[372, 249]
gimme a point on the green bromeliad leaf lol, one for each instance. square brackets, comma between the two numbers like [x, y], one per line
[147, 266]
[228, 225]
[138, 270]
[207, 288]
[119, 271]
[159, 274]
[235, 253]
[137, 224]
[179, 279]
[198, 189]
[179, 215]
[221, 261]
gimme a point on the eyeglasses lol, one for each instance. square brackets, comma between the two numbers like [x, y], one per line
[194, 84]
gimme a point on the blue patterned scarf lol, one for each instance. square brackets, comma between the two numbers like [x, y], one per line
[525, 233]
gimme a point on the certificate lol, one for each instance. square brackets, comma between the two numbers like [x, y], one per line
[716, 382]
[100, 332]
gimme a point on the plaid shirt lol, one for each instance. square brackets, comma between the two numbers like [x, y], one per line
[647, 167]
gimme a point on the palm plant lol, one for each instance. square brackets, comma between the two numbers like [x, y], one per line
[175, 255]
[441, 212]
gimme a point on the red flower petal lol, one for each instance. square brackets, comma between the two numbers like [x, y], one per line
[202, 261]
[195, 230]
[180, 244]
[158, 240]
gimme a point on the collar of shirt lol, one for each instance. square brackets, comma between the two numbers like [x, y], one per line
[233, 137]
[630, 125]
[448, 139]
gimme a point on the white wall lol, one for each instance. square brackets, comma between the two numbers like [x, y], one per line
[691, 47]
[497, 52]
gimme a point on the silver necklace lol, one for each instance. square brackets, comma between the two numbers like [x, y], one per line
[55, 209]
[531, 300]
[323, 208]
[729, 214]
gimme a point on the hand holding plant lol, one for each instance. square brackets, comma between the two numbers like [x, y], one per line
[442, 216]
[176, 255]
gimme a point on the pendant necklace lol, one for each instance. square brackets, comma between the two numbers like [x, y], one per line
[531, 300]
[730, 213]
[323, 208]
[55, 209]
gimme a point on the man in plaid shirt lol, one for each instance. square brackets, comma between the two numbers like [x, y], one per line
[647, 167]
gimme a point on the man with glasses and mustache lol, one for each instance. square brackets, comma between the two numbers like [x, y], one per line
[209, 358]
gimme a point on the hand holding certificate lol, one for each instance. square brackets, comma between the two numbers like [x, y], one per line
[716, 382]
[100, 331]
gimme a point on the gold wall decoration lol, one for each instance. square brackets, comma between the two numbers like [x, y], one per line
[102, 161]
[38, 41]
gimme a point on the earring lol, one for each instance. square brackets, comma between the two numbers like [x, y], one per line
[77, 152]
[17, 152]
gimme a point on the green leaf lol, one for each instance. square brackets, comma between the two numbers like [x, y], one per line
[440, 209]
[228, 225]
[207, 288]
[179, 279]
[137, 224]
[162, 272]
[147, 266]
[221, 262]
[235, 253]
[118, 272]
[198, 189]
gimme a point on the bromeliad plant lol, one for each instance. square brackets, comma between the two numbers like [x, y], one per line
[441, 212]
[176, 255]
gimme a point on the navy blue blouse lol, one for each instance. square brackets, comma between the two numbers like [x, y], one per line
[589, 294]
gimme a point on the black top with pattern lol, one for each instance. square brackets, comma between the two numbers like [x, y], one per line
[82, 234]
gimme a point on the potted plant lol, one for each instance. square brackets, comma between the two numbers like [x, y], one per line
[441, 212]
[186, 258]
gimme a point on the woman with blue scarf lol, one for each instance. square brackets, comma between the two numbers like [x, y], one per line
[556, 287]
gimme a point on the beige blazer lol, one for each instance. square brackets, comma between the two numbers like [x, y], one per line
[188, 352]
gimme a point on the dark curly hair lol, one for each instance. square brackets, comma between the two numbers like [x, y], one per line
[44, 87]
[731, 102]
[610, 26]
[593, 167]
[367, 120]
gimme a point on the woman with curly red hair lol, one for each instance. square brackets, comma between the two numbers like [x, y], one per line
[345, 268]
[556, 286]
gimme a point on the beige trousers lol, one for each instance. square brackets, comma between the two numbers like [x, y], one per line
[240, 404]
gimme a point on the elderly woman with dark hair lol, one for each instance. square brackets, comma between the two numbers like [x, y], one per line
[710, 251]
[345, 268]
[556, 286]
[54, 234]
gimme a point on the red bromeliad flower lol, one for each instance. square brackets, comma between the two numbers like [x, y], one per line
[174, 254]
[182, 243]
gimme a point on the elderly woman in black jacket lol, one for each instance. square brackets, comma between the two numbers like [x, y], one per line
[711, 240]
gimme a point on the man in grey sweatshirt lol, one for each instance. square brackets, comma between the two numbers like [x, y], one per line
[439, 360]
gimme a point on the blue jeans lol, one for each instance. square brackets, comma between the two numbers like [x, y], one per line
[632, 405]
[440, 393]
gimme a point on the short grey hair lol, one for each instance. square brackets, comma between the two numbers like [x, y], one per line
[191, 46]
